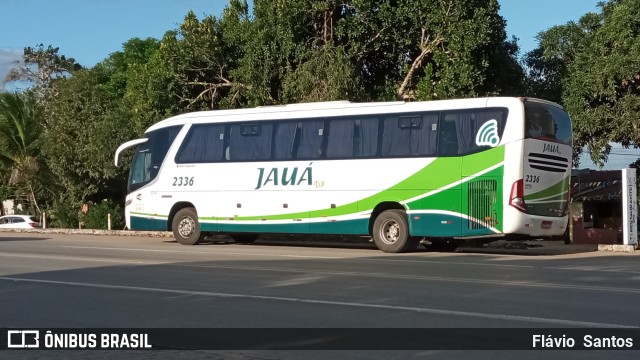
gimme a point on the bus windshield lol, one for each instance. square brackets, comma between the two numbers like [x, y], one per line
[547, 122]
[149, 156]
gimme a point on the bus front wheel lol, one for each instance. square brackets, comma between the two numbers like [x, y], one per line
[391, 232]
[186, 228]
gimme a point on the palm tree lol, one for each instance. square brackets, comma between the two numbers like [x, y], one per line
[20, 145]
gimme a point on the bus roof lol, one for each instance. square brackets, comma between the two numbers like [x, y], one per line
[334, 108]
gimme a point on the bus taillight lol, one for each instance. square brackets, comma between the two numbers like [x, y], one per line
[516, 199]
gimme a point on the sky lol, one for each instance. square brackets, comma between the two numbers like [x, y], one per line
[90, 30]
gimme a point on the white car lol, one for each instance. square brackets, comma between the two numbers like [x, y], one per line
[19, 222]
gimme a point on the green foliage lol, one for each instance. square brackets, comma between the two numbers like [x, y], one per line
[149, 94]
[592, 67]
[20, 152]
[548, 65]
[86, 126]
[19, 128]
[602, 90]
[326, 76]
[97, 216]
[275, 47]
[197, 59]
[118, 67]
[64, 213]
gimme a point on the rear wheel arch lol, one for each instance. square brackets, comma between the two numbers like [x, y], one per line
[383, 206]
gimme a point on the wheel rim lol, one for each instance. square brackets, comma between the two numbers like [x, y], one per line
[390, 232]
[186, 227]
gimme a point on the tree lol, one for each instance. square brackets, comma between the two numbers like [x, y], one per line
[603, 85]
[199, 60]
[115, 70]
[548, 65]
[420, 50]
[461, 51]
[40, 66]
[20, 129]
[325, 75]
[319, 67]
[86, 126]
[191, 68]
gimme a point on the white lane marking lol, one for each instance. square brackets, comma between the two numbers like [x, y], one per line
[379, 257]
[529, 319]
[521, 283]
[425, 261]
[205, 253]
[79, 258]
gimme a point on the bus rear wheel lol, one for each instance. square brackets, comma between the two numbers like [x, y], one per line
[186, 228]
[391, 232]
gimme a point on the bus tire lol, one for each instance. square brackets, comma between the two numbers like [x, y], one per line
[186, 228]
[245, 238]
[391, 232]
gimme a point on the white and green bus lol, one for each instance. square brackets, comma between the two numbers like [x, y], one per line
[397, 171]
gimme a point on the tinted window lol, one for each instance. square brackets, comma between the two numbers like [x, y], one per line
[352, 137]
[17, 220]
[409, 135]
[286, 140]
[150, 155]
[250, 141]
[547, 122]
[203, 143]
[311, 135]
[469, 131]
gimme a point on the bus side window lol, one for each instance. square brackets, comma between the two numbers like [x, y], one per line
[448, 142]
[203, 144]
[311, 138]
[285, 140]
[460, 128]
[396, 140]
[250, 141]
[409, 135]
[366, 137]
[340, 138]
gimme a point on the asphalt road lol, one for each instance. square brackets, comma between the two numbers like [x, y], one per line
[83, 281]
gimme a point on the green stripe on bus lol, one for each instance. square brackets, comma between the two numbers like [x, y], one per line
[416, 185]
[555, 190]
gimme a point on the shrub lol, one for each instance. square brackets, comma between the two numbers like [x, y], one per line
[63, 214]
[96, 216]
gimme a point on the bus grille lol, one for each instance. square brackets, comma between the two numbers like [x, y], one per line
[482, 195]
[546, 162]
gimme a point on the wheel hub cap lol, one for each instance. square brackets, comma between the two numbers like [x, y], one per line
[186, 227]
[390, 232]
